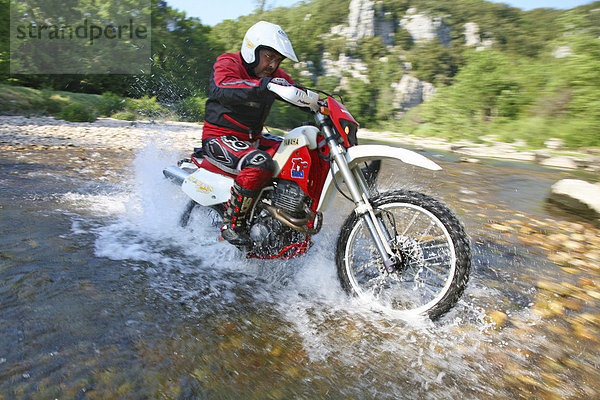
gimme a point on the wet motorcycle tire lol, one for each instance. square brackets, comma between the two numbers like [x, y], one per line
[184, 219]
[415, 205]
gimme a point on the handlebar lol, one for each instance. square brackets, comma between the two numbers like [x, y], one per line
[296, 96]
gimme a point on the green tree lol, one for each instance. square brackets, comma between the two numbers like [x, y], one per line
[359, 99]
[4, 39]
[432, 62]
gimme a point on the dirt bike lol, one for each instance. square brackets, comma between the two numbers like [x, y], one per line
[403, 249]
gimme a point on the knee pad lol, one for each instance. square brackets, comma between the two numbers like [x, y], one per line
[258, 159]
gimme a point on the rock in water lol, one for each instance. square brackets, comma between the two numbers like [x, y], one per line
[577, 196]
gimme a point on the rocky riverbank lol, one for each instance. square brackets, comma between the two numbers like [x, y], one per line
[112, 133]
[553, 155]
[23, 132]
[46, 132]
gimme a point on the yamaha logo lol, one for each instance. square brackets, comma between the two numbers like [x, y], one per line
[201, 186]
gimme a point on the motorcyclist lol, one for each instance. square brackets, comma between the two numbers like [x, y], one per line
[238, 105]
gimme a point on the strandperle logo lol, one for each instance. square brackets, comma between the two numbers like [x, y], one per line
[80, 37]
[85, 30]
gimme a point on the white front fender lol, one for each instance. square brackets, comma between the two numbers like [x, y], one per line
[363, 153]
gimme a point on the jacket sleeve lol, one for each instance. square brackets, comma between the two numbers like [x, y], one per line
[229, 86]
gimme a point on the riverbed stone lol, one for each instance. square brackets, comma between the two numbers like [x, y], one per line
[562, 162]
[554, 143]
[577, 196]
[498, 319]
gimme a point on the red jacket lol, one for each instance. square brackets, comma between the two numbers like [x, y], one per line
[238, 104]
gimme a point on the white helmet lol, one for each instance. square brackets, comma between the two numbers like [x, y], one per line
[266, 34]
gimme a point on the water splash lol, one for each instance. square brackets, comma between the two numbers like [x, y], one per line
[346, 340]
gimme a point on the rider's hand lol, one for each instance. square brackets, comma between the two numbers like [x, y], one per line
[280, 81]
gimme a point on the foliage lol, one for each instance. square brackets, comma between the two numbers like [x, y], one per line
[520, 97]
[124, 115]
[24, 100]
[77, 112]
[110, 103]
[286, 116]
[382, 76]
[4, 38]
[359, 99]
[403, 39]
[175, 71]
[15, 99]
[432, 62]
[517, 88]
[371, 49]
[182, 56]
[191, 109]
[54, 102]
[146, 106]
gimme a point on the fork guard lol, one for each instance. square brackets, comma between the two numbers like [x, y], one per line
[363, 153]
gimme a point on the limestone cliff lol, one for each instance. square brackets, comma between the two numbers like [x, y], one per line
[369, 18]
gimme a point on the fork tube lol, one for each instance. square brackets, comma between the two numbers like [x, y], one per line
[363, 206]
[340, 160]
[362, 181]
[382, 246]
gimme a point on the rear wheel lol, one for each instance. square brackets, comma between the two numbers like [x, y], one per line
[431, 249]
[214, 214]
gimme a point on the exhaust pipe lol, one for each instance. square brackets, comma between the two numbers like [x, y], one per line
[298, 224]
[175, 174]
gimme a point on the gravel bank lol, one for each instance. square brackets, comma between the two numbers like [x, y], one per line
[552, 156]
[112, 133]
[16, 131]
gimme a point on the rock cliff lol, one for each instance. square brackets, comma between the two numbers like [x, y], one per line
[369, 18]
[410, 92]
[425, 28]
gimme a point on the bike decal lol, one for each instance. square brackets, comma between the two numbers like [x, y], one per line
[298, 166]
[201, 187]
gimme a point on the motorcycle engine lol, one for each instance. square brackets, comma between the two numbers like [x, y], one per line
[290, 197]
[271, 235]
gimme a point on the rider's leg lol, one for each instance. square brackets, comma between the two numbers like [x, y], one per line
[253, 168]
[256, 169]
[234, 228]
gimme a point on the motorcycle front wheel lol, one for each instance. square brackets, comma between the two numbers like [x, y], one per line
[430, 244]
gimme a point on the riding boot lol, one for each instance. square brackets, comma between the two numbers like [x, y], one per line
[234, 228]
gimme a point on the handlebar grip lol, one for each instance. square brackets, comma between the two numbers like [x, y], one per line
[296, 96]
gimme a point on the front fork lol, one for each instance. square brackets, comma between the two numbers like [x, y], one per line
[379, 233]
[359, 188]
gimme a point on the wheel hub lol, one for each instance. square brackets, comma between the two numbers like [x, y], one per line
[409, 252]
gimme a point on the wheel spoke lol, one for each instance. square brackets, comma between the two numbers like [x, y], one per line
[424, 246]
[411, 222]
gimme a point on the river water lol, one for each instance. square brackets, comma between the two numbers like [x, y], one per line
[103, 295]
